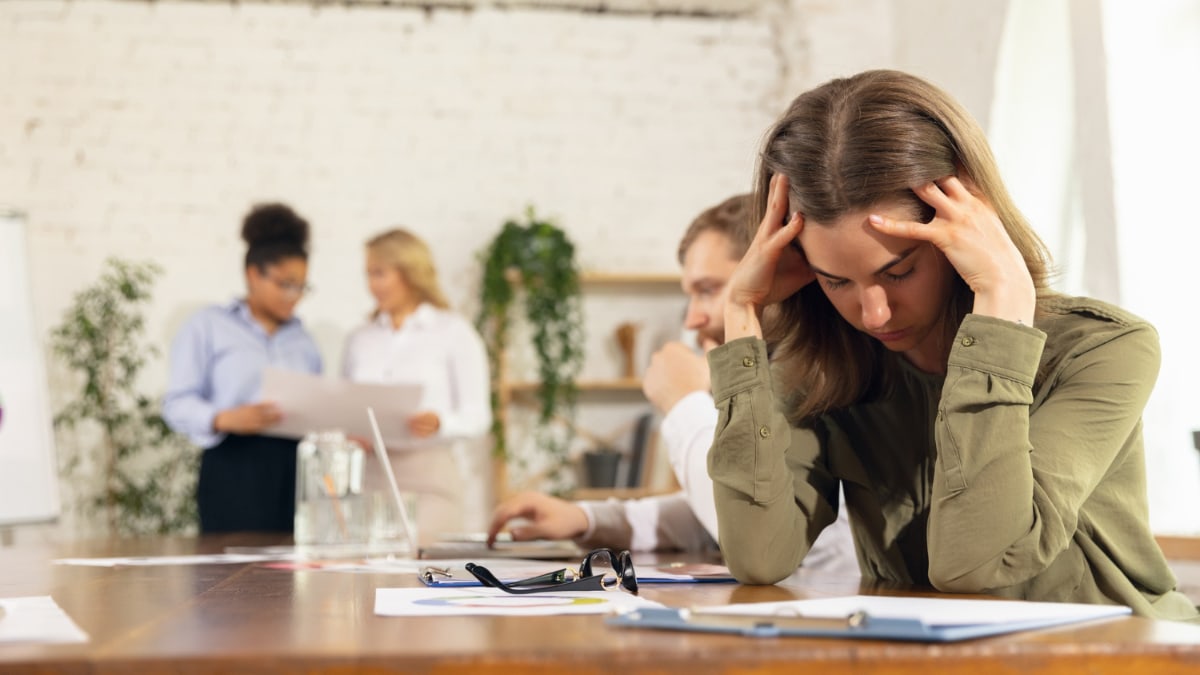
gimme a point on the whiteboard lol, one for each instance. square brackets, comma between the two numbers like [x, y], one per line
[28, 477]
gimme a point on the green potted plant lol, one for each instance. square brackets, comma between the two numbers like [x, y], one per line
[125, 465]
[534, 262]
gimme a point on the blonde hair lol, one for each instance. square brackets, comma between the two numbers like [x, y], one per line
[409, 255]
[849, 145]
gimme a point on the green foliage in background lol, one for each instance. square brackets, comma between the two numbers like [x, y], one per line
[134, 472]
[534, 261]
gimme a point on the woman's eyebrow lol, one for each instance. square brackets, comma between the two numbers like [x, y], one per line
[894, 261]
[898, 259]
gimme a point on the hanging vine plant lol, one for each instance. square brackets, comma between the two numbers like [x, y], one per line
[534, 261]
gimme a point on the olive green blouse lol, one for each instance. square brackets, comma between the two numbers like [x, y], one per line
[1020, 473]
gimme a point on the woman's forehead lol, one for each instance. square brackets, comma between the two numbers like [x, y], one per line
[851, 241]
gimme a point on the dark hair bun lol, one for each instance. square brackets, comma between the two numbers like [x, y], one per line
[271, 224]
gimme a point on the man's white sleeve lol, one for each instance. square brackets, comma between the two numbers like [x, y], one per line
[687, 432]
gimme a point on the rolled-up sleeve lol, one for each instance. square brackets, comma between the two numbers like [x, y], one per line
[773, 493]
[1009, 484]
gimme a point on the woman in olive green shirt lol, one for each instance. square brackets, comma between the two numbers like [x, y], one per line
[987, 431]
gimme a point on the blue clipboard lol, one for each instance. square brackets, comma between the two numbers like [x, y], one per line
[859, 625]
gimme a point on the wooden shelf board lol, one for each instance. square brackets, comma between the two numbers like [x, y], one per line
[619, 385]
[597, 278]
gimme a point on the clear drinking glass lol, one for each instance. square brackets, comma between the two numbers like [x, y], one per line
[331, 507]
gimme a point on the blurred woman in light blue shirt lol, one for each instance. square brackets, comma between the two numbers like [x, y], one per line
[247, 479]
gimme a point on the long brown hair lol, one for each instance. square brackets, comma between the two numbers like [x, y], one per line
[847, 146]
[410, 255]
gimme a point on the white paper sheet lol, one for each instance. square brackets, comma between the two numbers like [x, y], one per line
[930, 611]
[37, 619]
[156, 560]
[494, 602]
[315, 403]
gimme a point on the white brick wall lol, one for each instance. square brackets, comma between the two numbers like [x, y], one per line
[147, 129]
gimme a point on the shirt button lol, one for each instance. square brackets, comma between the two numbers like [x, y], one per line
[748, 362]
[968, 341]
[764, 431]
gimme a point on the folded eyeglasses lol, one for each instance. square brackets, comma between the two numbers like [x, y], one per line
[566, 579]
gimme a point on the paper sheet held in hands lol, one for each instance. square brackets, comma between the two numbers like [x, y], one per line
[313, 403]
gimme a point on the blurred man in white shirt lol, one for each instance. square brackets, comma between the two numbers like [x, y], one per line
[677, 383]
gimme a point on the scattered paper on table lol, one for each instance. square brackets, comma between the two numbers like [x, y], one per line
[37, 619]
[152, 560]
[494, 602]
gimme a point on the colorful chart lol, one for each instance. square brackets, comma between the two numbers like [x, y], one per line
[411, 601]
[509, 601]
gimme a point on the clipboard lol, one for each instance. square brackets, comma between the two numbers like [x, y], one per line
[878, 618]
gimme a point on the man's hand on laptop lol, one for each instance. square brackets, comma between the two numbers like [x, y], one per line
[545, 517]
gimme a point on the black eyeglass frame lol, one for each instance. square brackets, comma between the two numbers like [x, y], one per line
[566, 579]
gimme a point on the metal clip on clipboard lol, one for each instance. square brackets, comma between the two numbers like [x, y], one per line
[771, 626]
[431, 574]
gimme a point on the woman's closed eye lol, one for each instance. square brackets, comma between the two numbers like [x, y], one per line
[897, 277]
[832, 283]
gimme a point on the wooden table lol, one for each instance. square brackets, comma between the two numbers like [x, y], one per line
[252, 619]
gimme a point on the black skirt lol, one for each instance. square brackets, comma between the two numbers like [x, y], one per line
[248, 484]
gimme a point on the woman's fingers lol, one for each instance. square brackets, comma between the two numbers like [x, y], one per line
[789, 232]
[907, 229]
[777, 205]
[933, 195]
[953, 188]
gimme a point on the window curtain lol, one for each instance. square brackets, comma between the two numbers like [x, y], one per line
[1093, 127]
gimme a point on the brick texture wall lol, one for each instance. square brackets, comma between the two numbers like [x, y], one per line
[146, 130]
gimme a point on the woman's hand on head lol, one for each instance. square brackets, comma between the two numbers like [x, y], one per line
[773, 268]
[968, 232]
[548, 518]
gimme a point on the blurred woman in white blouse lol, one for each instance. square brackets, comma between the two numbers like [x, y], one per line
[413, 337]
